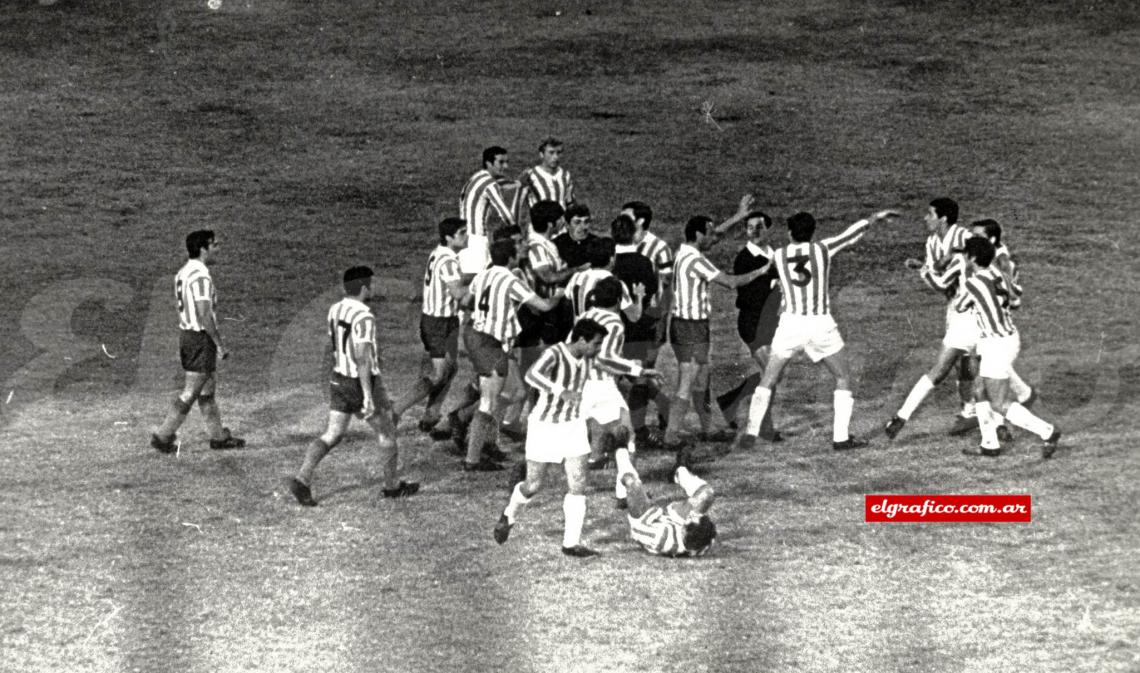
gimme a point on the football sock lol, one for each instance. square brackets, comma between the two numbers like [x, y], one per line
[844, 405]
[757, 408]
[477, 435]
[917, 394]
[969, 410]
[517, 502]
[987, 425]
[1024, 418]
[689, 481]
[174, 418]
[701, 405]
[677, 413]
[624, 463]
[313, 455]
[574, 508]
[767, 430]
[213, 417]
[1019, 387]
[661, 400]
[731, 400]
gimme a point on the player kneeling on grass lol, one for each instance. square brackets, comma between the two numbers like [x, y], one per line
[556, 433]
[987, 294]
[679, 528]
[355, 388]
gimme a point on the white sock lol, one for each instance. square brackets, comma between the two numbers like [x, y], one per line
[1019, 387]
[1024, 418]
[844, 405]
[624, 463]
[987, 425]
[761, 398]
[917, 394]
[969, 410]
[517, 502]
[689, 481]
[574, 508]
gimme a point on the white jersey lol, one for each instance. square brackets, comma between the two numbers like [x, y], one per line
[481, 195]
[442, 270]
[498, 294]
[805, 269]
[609, 363]
[193, 284]
[351, 323]
[582, 283]
[692, 272]
[542, 185]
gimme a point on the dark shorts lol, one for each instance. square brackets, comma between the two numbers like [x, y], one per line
[198, 352]
[440, 336]
[690, 340]
[486, 353]
[346, 395]
[757, 328]
[531, 323]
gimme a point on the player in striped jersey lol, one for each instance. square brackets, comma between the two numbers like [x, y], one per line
[677, 529]
[200, 348]
[439, 324]
[557, 433]
[547, 181]
[483, 194]
[355, 388]
[689, 323]
[548, 271]
[600, 253]
[495, 295]
[806, 324]
[940, 272]
[987, 294]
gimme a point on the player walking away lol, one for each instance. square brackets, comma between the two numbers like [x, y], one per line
[572, 243]
[482, 195]
[557, 433]
[495, 294]
[600, 253]
[806, 324]
[681, 528]
[689, 326]
[439, 325]
[940, 272]
[759, 312]
[547, 181]
[987, 295]
[355, 388]
[200, 348]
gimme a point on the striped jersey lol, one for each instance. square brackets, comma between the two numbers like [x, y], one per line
[692, 272]
[661, 531]
[556, 370]
[804, 270]
[582, 283]
[192, 284]
[541, 252]
[658, 252]
[351, 323]
[1003, 262]
[941, 249]
[542, 185]
[481, 195]
[442, 269]
[988, 294]
[498, 294]
[609, 362]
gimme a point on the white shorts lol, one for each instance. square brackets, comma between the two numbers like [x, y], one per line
[476, 256]
[548, 442]
[816, 335]
[602, 401]
[962, 330]
[998, 354]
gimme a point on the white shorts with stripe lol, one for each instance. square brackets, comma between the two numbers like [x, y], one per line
[548, 442]
[961, 330]
[816, 335]
[476, 256]
[997, 355]
[602, 401]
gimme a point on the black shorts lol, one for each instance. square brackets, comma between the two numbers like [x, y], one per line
[440, 336]
[690, 340]
[558, 323]
[198, 352]
[486, 353]
[756, 328]
[531, 324]
[346, 395]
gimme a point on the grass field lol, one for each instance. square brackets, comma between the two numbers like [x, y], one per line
[314, 136]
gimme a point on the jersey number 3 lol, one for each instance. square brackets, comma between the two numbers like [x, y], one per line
[799, 265]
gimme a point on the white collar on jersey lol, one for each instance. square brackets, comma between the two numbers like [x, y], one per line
[542, 169]
[618, 249]
[356, 301]
[649, 237]
[197, 263]
[757, 250]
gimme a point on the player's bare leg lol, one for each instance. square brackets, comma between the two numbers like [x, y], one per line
[967, 374]
[844, 402]
[638, 498]
[483, 424]
[442, 376]
[624, 454]
[521, 496]
[220, 437]
[383, 424]
[943, 365]
[680, 404]
[192, 386]
[998, 395]
[762, 399]
[599, 444]
[574, 508]
[300, 485]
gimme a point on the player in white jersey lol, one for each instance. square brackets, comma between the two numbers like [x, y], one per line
[940, 272]
[485, 193]
[806, 324]
[556, 433]
[200, 347]
[681, 528]
[548, 180]
[987, 295]
[600, 255]
[439, 324]
[355, 388]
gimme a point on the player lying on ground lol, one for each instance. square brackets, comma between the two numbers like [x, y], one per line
[678, 528]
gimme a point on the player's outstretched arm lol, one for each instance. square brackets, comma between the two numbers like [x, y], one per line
[742, 210]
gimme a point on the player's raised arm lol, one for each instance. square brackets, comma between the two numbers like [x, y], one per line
[743, 209]
[853, 233]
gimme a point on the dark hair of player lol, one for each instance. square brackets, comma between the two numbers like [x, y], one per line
[502, 252]
[586, 330]
[991, 228]
[196, 240]
[577, 210]
[448, 227]
[699, 536]
[641, 211]
[697, 224]
[765, 221]
[505, 233]
[622, 229]
[944, 207]
[492, 153]
[356, 278]
[549, 141]
[802, 227]
[980, 250]
[543, 214]
[606, 294]
[599, 252]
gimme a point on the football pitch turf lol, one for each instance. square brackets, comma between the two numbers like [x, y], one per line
[316, 136]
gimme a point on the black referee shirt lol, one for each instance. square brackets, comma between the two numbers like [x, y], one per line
[751, 297]
[571, 251]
